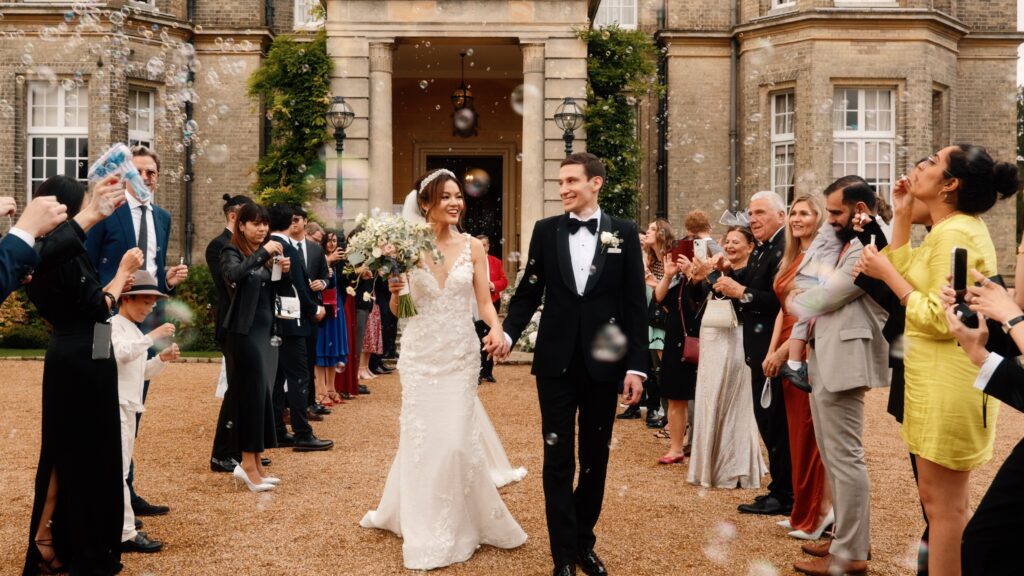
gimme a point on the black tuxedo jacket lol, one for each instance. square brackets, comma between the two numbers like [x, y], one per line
[317, 268]
[762, 306]
[1007, 383]
[307, 298]
[614, 294]
[213, 250]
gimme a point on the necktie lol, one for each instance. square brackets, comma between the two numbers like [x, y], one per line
[143, 242]
[302, 254]
[575, 225]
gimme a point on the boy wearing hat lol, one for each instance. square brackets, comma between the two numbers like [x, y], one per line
[133, 369]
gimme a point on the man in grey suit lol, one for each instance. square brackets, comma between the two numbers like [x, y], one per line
[848, 356]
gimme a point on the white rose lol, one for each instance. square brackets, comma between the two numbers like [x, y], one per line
[607, 238]
[367, 297]
[532, 338]
[350, 291]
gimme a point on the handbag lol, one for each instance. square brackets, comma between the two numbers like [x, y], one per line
[288, 307]
[691, 344]
[719, 313]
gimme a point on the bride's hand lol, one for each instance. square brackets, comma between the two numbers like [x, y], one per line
[396, 284]
[495, 344]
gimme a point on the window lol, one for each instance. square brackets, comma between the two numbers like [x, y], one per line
[307, 14]
[621, 12]
[783, 4]
[58, 133]
[783, 144]
[140, 117]
[864, 135]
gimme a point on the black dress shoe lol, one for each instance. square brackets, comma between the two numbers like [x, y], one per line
[769, 506]
[488, 378]
[141, 544]
[381, 370]
[283, 439]
[565, 570]
[263, 461]
[796, 377]
[320, 409]
[657, 423]
[143, 508]
[631, 413]
[225, 465]
[313, 416]
[591, 564]
[138, 524]
[363, 389]
[311, 444]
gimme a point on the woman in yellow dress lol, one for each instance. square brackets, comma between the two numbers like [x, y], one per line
[948, 425]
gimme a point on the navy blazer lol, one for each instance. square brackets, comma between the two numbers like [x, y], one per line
[108, 241]
[16, 261]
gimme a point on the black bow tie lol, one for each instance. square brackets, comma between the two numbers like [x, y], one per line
[575, 225]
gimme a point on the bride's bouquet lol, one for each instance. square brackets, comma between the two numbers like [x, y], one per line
[389, 245]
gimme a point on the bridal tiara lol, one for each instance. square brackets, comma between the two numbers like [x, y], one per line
[433, 175]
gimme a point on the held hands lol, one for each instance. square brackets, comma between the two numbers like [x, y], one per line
[176, 275]
[495, 343]
[632, 389]
[171, 353]
[42, 215]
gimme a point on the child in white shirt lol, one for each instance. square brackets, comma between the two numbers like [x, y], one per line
[133, 369]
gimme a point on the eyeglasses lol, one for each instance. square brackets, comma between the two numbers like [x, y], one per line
[151, 174]
[933, 159]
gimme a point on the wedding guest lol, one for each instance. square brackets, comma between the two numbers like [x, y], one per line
[847, 358]
[726, 452]
[811, 244]
[250, 355]
[368, 323]
[758, 308]
[332, 341]
[221, 459]
[990, 540]
[314, 262]
[947, 424]
[130, 347]
[678, 375]
[76, 515]
[388, 329]
[315, 232]
[148, 227]
[698, 225]
[16, 255]
[497, 284]
[346, 382]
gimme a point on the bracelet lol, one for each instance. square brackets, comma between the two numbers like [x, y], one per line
[113, 301]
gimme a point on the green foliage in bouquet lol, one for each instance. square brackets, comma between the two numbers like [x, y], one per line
[621, 66]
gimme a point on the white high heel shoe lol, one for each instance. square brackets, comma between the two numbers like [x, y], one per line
[828, 521]
[240, 474]
[272, 480]
[785, 523]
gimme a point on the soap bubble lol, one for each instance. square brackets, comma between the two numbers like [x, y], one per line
[463, 118]
[516, 99]
[424, 84]
[218, 153]
[477, 182]
[532, 279]
[609, 344]
[551, 439]
[698, 158]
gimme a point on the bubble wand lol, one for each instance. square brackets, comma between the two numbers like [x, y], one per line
[118, 160]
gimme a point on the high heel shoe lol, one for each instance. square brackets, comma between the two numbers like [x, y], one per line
[784, 523]
[240, 474]
[272, 480]
[830, 519]
[51, 566]
[672, 459]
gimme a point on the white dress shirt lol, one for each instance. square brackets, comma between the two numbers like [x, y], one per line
[136, 208]
[133, 369]
[24, 236]
[581, 250]
[988, 368]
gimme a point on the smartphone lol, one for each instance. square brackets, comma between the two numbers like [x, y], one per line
[684, 247]
[958, 267]
[700, 248]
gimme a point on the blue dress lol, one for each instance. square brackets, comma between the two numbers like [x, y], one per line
[332, 336]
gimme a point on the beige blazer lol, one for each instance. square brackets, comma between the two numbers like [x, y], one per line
[847, 331]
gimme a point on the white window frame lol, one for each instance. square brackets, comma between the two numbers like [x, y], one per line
[60, 131]
[783, 105]
[146, 134]
[612, 11]
[880, 142]
[303, 11]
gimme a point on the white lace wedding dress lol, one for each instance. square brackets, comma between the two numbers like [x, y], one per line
[441, 494]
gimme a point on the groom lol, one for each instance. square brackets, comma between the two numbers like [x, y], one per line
[587, 267]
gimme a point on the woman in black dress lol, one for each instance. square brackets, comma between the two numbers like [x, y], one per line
[250, 357]
[78, 508]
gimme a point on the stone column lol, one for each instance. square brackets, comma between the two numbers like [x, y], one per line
[381, 172]
[531, 205]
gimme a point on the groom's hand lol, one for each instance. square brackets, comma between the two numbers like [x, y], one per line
[495, 346]
[632, 389]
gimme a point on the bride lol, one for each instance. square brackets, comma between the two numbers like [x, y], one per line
[441, 494]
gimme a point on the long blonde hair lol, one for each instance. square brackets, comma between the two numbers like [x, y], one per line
[792, 245]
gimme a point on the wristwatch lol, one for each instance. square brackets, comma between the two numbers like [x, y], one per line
[1009, 324]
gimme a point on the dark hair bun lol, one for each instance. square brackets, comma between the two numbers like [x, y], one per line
[1005, 179]
[226, 197]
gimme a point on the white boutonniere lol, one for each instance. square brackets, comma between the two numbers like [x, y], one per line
[610, 241]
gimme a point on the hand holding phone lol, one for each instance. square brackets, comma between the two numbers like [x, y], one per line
[958, 267]
[682, 247]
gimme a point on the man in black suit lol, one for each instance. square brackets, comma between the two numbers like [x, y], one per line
[292, 363]
[759, 308]
[314, 264]
[221, 458]
[17, 258]
[587, 267]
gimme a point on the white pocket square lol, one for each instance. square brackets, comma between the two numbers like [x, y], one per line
[615, 250]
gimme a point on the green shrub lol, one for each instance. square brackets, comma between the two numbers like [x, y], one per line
[197, 327]
[21, 326]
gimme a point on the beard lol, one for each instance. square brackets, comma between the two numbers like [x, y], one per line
[846, 233]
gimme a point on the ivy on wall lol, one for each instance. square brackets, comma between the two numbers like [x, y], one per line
[621, 66]
[294, 85]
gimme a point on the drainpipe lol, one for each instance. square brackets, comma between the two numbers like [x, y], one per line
[189, 174]
[662, 166]
[733, 104]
